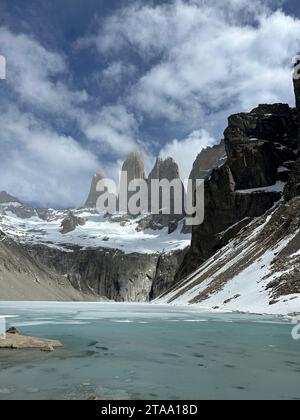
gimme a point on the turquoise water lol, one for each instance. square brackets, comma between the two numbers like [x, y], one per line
[121, 351]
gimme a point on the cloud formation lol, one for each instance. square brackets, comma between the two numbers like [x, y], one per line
[186, 150]
[185, 65]
[204, 57]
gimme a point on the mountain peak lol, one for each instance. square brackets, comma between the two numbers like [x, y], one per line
[7, 198]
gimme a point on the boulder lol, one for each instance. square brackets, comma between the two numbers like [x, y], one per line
[12, 330]
[70, 223]
[17, 341]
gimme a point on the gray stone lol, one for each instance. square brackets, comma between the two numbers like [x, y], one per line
[9, 203]
[70, 223]
[207, 160]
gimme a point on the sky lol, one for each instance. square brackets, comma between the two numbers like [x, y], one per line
[89, 81]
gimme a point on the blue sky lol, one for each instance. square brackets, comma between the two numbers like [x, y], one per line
[90, 80]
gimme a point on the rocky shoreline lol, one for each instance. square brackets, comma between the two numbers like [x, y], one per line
[15, 341]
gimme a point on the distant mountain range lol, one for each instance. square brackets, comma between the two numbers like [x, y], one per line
[244, 257]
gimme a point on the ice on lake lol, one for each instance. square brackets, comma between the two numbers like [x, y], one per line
[131, 351]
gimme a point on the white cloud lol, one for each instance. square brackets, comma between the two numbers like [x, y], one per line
[207, 57]
[185, 151]
[38, 163]
[33, 72]
[200, 61]
[114, 128]
[116, 73]
[41, 165]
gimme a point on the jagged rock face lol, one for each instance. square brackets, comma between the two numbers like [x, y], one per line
[292, 188]
[297, 95]
[70, 223]
[8, 203]
[262, 263]
[22, 277]
[165, 273]
[166, 170]
[134, 169]
[7, 198]
[91, 201]
[257, 143]
[226, 212]
[111, 273]
[134, 166]
[207, 160]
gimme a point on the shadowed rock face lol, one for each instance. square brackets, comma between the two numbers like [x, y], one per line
[257, 144]
[91, 201]
[166, 170]
[111, 273]
[208, 160]
[134, 166]
[7, 198]
[70, 223]
[23, 278]
[297, 95]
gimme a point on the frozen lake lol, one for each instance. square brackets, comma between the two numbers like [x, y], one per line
[128, 351]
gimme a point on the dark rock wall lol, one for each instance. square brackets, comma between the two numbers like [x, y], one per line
[257, 144]
[111, 273]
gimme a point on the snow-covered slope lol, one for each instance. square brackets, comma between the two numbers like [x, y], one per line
[257, 272]
[117, 232]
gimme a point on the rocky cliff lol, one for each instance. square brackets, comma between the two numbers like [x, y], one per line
[258, 271]
[261, 147]
[96, 255]
[94, 194]
[121, 277]
[22, 277]
[297, 91]
[207, 160]
[11, 204]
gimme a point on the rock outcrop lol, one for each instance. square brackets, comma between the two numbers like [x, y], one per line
[134, 166]
[16, 341]
[167, 266]
[70, 223]
[258, 271]
[133, 169]
[11, 204]
[23, 277]
[297, 91]
[258, 145]
[207, 160]
[91, 201]
[111, 273]
[259, 142]
[166, 170]
[292, 188]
